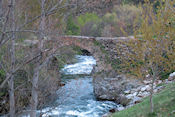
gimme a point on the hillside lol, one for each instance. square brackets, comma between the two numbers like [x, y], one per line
[164, 105]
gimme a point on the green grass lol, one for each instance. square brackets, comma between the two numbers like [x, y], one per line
[164, 105]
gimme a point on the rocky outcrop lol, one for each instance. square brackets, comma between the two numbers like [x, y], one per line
[135, 95]
[113, 88]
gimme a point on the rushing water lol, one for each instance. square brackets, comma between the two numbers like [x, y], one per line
[84, 66]
[76, 98]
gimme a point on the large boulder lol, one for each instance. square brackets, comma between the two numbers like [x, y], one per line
[113, 88]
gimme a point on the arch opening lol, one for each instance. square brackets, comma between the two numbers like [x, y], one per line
[85, 52]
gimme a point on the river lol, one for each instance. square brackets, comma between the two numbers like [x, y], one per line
[76, 98]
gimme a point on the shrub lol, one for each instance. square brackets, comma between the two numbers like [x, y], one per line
[126, 15]
[120, 20]
[113, 24]
[72, 28]
[165, 74]
[82, 20]
[92, 29]
[90, 24]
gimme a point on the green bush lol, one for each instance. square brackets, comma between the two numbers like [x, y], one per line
[72, 28]
[88, 17]
[92, 29]
[120, 20]
[90, 24]
[112, 24]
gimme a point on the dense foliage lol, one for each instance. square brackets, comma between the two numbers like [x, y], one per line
[110, 24]
[164, 105]
[152, 53]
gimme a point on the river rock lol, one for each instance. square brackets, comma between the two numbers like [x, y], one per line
[155, 90]
[127, 92]
[146, 82]
[158, 82]
[134, 94]
[171, 76]
[148, 88]
[112, 88]
[130, 96]
[145, 88]
[122, 99]
[120, 108]
[144, 94]
[107, 115]
[112, 110]
[136, 100]
[135, 90]
[173, 112]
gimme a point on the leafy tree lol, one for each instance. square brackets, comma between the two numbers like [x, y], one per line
[72, 28]
[88, 17]
[154, 51]
[88, 24]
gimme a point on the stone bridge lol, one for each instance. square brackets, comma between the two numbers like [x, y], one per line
[108, 84]
[103, 49]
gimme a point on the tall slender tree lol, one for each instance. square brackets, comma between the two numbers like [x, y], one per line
[36, 70]
[12, 55]
[12, 26]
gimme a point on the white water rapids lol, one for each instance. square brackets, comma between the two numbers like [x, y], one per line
[76, 98]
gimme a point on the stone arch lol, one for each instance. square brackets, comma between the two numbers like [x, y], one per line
[85, 43]
[88, 43]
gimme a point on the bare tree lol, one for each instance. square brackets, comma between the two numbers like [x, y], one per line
[12, 55]
[11, 26]
[34, 101]
[1, 10]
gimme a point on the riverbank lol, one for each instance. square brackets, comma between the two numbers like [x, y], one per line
[164, 105]
[139, 105]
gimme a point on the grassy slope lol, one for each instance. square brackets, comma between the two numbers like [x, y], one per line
[164, 103]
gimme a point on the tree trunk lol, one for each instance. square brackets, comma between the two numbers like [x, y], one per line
[34, 101]
[12, 54]
[42, 25]
[1, 10]
[36, 71]
[151, 97]
[152, 90]
[12, 97]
